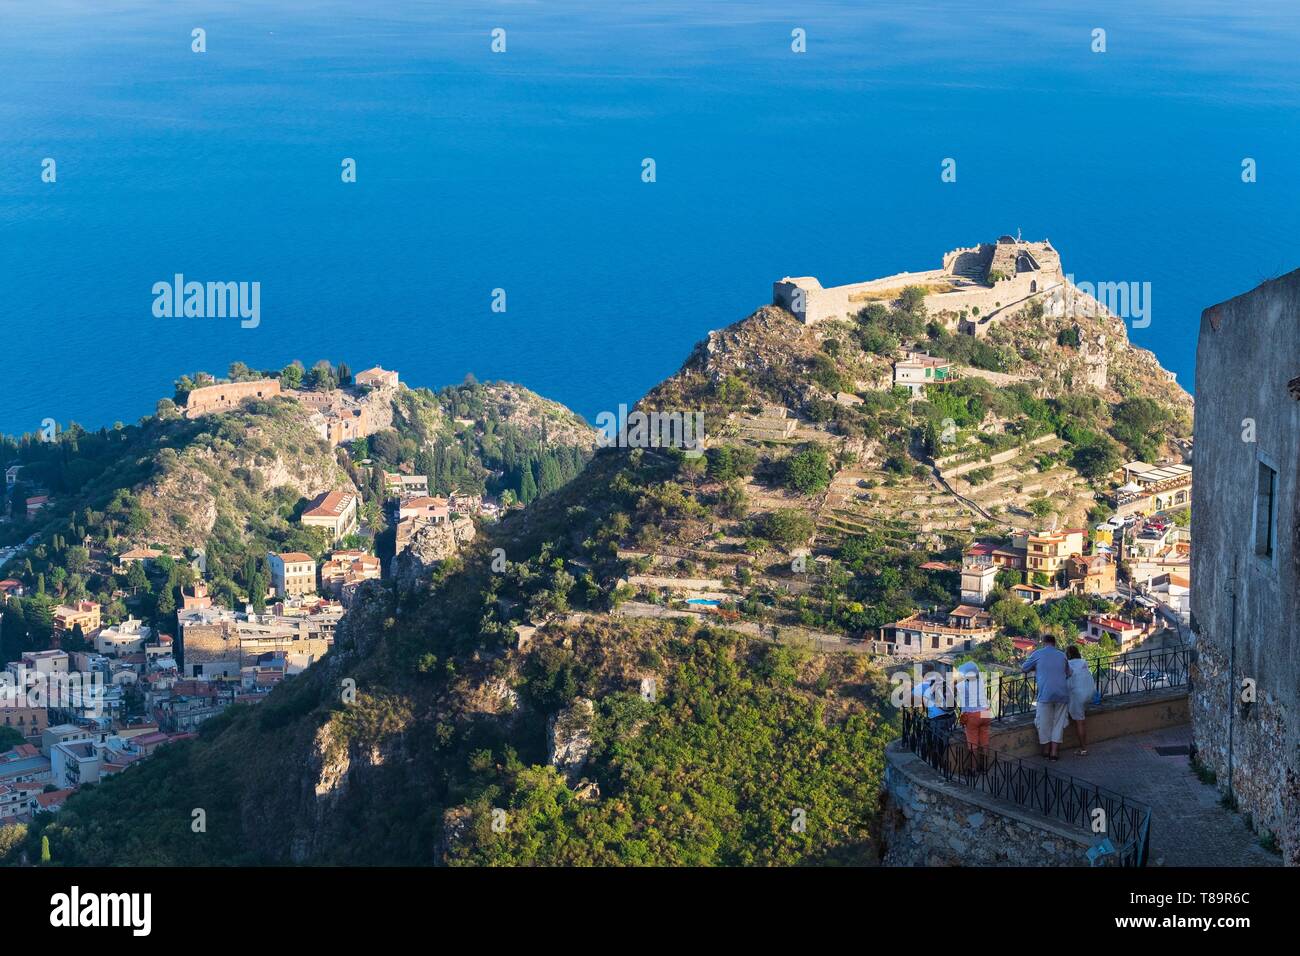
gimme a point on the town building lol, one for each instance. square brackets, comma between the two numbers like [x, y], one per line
[1009, 558]
[1034, 594]
[345, 568]
[31, 722]
[216, 642]
[377, 378]
[145, 556]
[195, 597]
[1107, 533]
[24, 764]
[1149, 489]
[1047, 551]
[915, 370]
[1174, 591]
[53, 801]
[1123, 633]
[45, 662]
[928, 635]
[123, 639]
[86, 614]
[1090, 574]
[62, 733]
[428, 510]
[74, 763]
[18, 800]
[416, 513]
[978, 578]
[293, 574]
[334, 511]
[403, 486]
[193, 702]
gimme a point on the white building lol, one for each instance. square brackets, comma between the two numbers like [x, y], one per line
[293, 574]
[129, 637]
[915, 370]
[75, 763]
[978, 576]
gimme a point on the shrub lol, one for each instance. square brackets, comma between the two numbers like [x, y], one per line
[809, 471]
[787, 526]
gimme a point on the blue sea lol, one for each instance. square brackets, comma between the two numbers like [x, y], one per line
[522, 171]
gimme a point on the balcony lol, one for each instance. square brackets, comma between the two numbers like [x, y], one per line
[1134, 800]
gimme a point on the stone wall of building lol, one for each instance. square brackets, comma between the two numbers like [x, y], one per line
[811, 302]
[1245, 604]
[222, 398]
[930, 822]
[1264, 783]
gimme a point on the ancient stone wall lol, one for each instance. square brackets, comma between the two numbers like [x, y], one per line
[930, 822]
[1265, 787]
[221, 398]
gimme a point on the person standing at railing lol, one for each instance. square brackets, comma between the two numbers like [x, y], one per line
[1082, 688]
[976, 713]
[930, 694]
[1053, 678]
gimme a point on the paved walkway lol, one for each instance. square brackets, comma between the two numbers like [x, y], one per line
[1188, 826]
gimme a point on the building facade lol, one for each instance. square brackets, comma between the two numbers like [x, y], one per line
[1245, 608]
[334, 511]
[1047, 551]
[293, 574]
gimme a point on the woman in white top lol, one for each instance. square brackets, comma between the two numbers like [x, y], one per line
[1082, 687]
[976, 714]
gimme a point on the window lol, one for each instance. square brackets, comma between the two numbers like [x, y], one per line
[1265, 510]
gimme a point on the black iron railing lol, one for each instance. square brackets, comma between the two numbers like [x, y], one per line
[1124, 822]
[1116, 675]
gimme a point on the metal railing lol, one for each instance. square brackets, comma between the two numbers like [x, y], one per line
[1116, 675]
[1126, 823]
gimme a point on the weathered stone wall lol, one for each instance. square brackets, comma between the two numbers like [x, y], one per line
[220, 398]
[1247, 416]
[811, 302]
[1265, 784]
[930, 822]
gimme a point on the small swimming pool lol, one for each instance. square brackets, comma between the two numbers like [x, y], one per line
[703, 602]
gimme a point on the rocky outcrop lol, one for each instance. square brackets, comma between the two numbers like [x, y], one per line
[429, 546]
[234, 468]
[569, 739]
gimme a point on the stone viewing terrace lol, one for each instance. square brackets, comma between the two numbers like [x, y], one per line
[1190, 826]
[945, 807]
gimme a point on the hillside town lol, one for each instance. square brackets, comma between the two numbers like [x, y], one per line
[107, 688]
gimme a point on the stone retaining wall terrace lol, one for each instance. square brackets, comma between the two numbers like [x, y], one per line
[931, 822]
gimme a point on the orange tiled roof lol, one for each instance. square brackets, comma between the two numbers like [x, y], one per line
[331, 504]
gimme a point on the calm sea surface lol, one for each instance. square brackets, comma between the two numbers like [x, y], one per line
[522, 171]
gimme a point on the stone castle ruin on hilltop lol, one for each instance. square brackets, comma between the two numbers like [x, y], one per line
[975, 285]
[338, 415]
